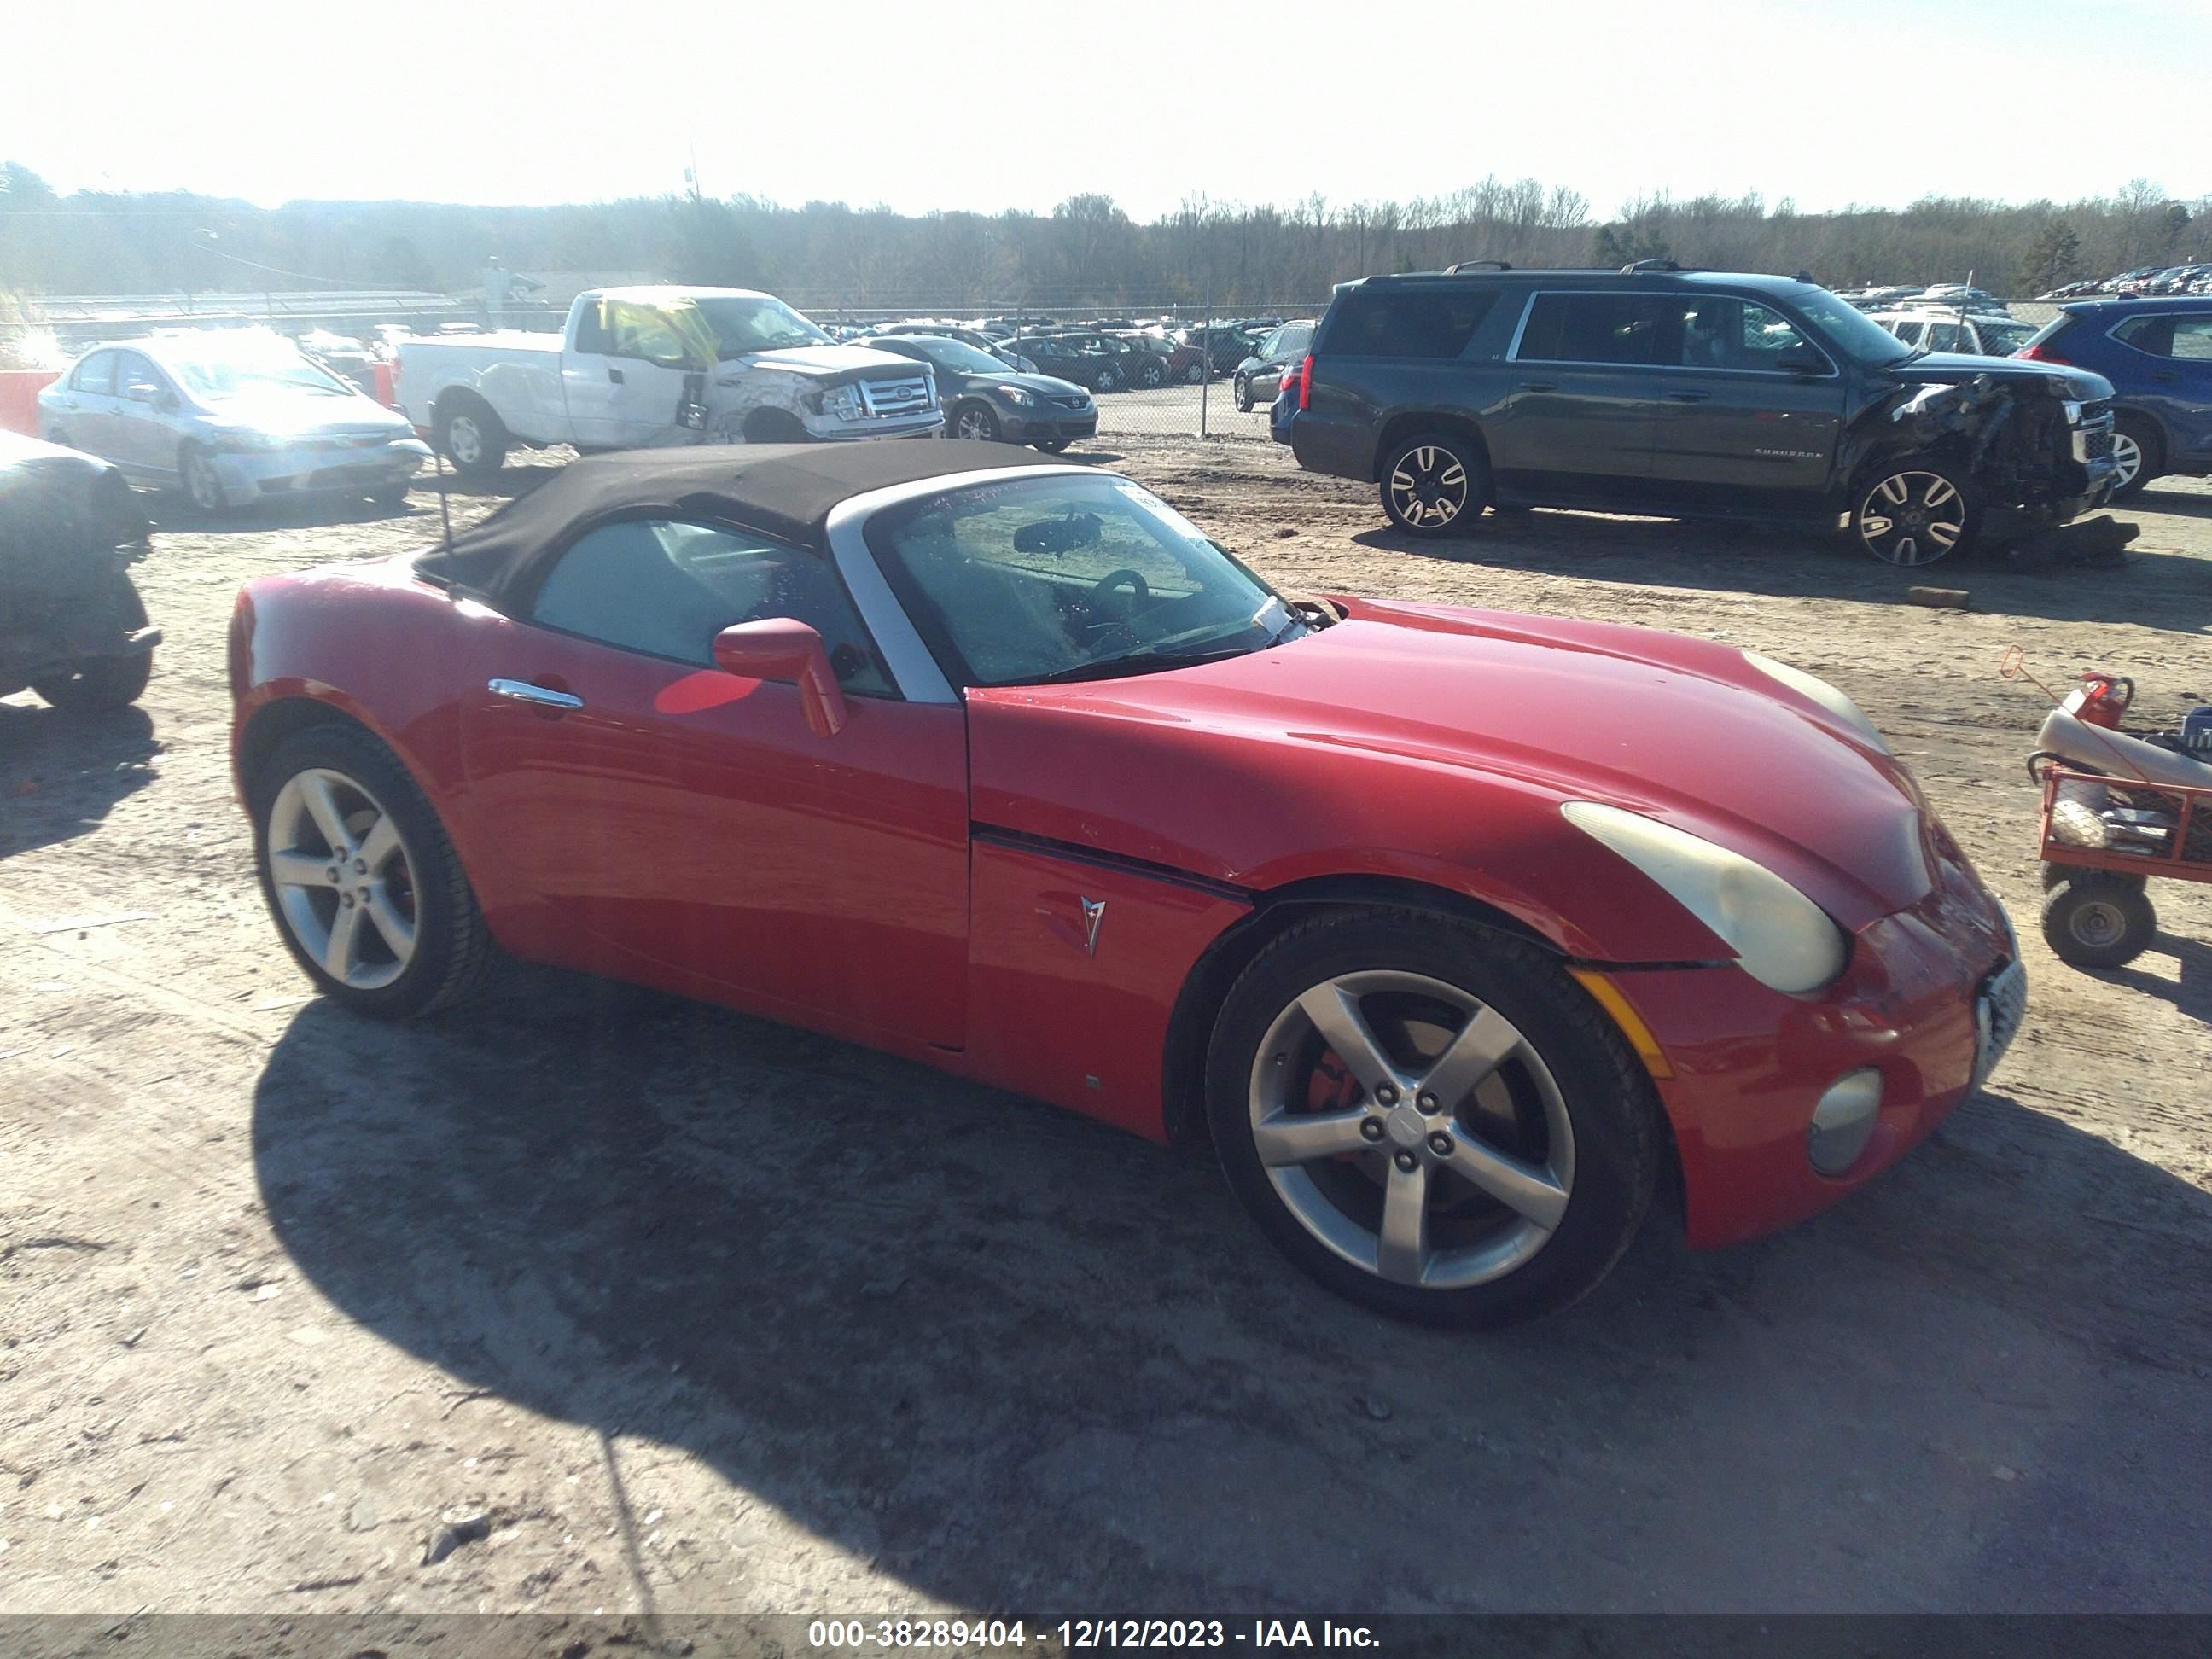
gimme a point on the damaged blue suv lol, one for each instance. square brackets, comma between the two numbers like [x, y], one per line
[1655, 389]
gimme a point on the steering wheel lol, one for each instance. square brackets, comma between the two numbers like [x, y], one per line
[1139, 590]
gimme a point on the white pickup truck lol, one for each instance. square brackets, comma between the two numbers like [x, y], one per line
[651, 367]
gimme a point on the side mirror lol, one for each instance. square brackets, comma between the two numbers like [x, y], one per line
[790, 651]
[1801, 360]
[142, 392]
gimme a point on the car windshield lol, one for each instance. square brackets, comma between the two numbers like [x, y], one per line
[953, 354]
[240, 365]
[1067, 577]
[1849, 330]
[743, 324]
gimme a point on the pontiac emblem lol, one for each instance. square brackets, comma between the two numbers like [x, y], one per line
[1094, 910]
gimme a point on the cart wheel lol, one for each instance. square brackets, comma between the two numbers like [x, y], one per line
[2097, 921]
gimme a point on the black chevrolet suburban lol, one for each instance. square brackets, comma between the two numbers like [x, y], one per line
[1686, 393]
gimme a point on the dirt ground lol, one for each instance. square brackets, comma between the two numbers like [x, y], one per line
[700, 1313]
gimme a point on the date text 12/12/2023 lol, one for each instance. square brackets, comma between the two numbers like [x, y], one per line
[1071, 1635]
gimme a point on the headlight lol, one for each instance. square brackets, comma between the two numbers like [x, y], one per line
[2073, 413]
[1780, 938]
[1014, 394]
[239, 440]
[1820, 692]
[842, 402]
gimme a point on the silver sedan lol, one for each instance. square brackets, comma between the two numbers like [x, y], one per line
[229, 417]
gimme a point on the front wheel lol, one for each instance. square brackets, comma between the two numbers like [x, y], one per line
[1108, 379]
[977, 422]
[391, 494]
[1430, 1119]
[203, 487]
[360, 877]
[1195, 373]
[1153, 374]
[106, 681]
[1433, 485]
[1914, 511]
[2092, 921]
[1051, 446]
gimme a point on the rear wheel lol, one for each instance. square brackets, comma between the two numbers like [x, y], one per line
[1108, 380]
[2092, 921]
[1430, 1118]
[2136, 455]
[1914, 511]
[1194, 373]
[1051, 446]
[106, 681]
[360, 877]
[391, 494]
[1154, 373]
[1435, 483]
[473, 438]
[1244, 393]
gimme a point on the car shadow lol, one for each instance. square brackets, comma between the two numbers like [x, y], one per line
[62, 770]
[2189, 988]
[1003, 1353]
[2193, 503]
[1699, 554]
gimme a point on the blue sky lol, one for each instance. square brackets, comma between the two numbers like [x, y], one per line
[992, 104]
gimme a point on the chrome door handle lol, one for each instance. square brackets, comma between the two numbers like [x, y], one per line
[523, 691]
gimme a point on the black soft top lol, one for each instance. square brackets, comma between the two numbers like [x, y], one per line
[783, 490]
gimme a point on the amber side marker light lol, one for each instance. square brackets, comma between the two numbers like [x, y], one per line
[1608, 997]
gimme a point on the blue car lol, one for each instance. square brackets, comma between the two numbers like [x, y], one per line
[2158, 355]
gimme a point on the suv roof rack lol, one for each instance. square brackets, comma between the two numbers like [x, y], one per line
[1649, 264]
[1476, 264]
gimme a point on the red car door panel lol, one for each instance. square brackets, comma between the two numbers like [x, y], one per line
[692, 820]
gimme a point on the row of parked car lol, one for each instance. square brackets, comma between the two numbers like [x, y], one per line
[2144, 281]
[1105, 354]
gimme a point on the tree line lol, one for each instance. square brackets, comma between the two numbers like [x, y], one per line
[1088, 251]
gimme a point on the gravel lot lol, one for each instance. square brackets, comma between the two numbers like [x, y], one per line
[705, 1314]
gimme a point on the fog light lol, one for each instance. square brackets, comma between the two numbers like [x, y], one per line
[1843, 1120]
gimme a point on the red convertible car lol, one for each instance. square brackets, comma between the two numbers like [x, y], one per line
[1458, 931]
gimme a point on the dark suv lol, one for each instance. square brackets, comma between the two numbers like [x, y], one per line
[1687, 393]
[2158, 355]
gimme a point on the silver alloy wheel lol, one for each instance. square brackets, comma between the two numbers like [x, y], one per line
[2127, 460]
[1911, 518]
[343, 878]
[464, 440]
[1194, 373]
[1429, 485]
[2097, 923]
[200, 482]
[1455, 1207]
[977, 423]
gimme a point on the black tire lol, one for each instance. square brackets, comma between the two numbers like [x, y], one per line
[1911, 511]
[2091, 920]
[1153, 374]
[1051, 446]
[1108, 380]
[393, 495]
[106, 681]
[1582, 1077]
[452, 948]
[2133, 435]
[1195, 374]
[1243, 395]
[2055, 874]
[1435, 483]
[977, 422]
[196, 482]
[473, 438]
[774, 426]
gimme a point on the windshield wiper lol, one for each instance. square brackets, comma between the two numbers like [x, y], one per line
[1138, 662]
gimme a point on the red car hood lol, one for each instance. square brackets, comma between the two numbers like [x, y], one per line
[1540, 710]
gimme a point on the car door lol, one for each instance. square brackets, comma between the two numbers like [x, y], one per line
[684, 826]
[143, 427]
[2182, 384]
[1576, 419]
[1732, 432]
[86, 408]
[625, 377]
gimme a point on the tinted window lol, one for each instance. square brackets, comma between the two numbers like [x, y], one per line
[1406, 323]
[1291, 338]
[2192, 337]
[1726, 332]
[1598, 328]
[96, 374]
[667, 589]
[1942, 336]
[2152, 334]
